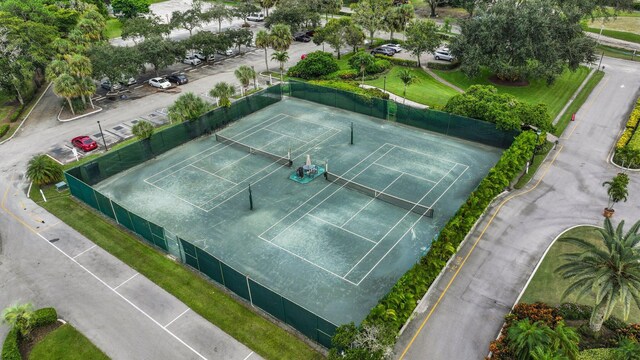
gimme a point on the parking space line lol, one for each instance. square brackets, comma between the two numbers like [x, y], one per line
[124, 282]
[177, 317]
[94, 245]
[251, 353]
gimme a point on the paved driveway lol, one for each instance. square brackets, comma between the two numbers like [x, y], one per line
[464, 310]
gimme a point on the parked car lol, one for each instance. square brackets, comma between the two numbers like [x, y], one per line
[395, 47]
[227, 52]
[256, 17]
[179, 79]
[203, 58]
[192, 60]
[383, 51]
[128, 82]
[107, 85]
[84, 143]
[160, 82]
[443, 54]
[309, 33]
[301, 37]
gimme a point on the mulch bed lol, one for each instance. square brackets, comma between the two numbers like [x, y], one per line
[35, 336]
[494, 79]
[605, 339]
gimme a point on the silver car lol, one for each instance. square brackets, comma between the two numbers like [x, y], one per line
[443, 54]
[160, 82]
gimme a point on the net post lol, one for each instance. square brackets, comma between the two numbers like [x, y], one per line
[250, 198]
[326, 169]
[352, 133]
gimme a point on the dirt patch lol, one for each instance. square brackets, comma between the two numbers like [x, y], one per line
[36, 335]
[494, 79]
[588, 340]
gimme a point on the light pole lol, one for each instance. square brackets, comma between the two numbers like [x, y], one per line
[102, 134]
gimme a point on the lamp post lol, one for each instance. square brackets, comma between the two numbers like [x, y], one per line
[102, 134]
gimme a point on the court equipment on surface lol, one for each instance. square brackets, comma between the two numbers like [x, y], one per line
[282, 160]
[391, 199]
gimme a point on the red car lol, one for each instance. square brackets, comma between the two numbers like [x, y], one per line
[84, 143]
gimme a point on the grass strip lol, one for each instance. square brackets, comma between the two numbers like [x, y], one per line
[233, 317]
[113, 28]
[66, 343]
[616, 34]
[617, 53]
[547, 286]
[538, 158]
[578, 102]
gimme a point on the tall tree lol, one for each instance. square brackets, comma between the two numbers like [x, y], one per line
[610, 271]
[140, 28]
[208, 43]
[42, 170]
[422, 36]
[281, 37]
[407, 77]
[115, 62]
[223, 91]
[360, 61]
[188, 107]
[297, 14]
[239, 37]
[281, 57]
[267, 4]
[263, 41]
[65, 86]
[353, 36]
[500, 38]
[333, 33]
[369, 15]
[130, 8]
[218, 12]
[433, 4]
[245, 74]
[246, 8]
[189, 19]
[397, 17]
[160, 52]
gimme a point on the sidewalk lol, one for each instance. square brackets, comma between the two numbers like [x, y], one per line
[398, 99]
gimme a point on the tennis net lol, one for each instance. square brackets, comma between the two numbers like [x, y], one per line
[282, 160]
[391, 199]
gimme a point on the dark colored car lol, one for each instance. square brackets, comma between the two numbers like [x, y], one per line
[84, 143]
[383, 50]
[309, 33]
[179, 79]
[301, 37]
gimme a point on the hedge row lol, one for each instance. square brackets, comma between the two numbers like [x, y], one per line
[4, 128]
[393, 310]
[443, 66]
[398, 61]
[351, 87]
[629, 136]
[11, 346]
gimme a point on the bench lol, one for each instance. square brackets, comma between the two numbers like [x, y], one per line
[61, 186]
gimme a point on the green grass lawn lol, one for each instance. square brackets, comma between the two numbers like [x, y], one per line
[578, 102]
[66, 343]
[235, 318]
[426, 91]
[616, 34]
[617, 53]
[548, 287]
[555, 96]
[113, 29]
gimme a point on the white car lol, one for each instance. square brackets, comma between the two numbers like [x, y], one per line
[192, 60]
[203, 58]
[255, 17]
[227, 52]
[395, 47]
[160, 82]
[443, 54]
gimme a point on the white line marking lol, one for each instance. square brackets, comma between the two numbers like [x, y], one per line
[177, 317]
[338, 227]
[213, 174]
[370, 201]
[405, 173]
[427, 155]
[122, 297]
[94, 245]
[126, 281]
[251, 353]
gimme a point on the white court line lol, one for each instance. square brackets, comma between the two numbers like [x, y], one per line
[427, 155]
[177, 317]
[176, 196]
[251, 353]
[94, 245]
[308, 261]
[370, 201]
[405, 173]
[214, 146]
[123, 298]
[398, 223]
[213, 174]
[338, 227]
[311, 122]
[325, 199]
[124, 282]
[411, 227]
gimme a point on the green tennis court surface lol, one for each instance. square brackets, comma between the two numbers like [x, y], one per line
[325, 245]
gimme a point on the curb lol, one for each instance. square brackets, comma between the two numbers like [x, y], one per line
[26, 116]
[77, 117]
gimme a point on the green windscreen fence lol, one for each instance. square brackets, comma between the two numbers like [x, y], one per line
[311, 325]
[432, 120]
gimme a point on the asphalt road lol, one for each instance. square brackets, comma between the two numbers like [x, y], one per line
[464, 311]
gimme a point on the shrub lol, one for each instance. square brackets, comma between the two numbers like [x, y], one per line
[16, 114]
[4, 128]
[614, 324]
[352, 87]
[624, 139]
[315, 65]
[596, 354]
[443, 66]
[572, 311]
[548, 315]
[631, 331]
[348, 74]
[398, 61]
[378, 66]
[634, 118]
[10, 348]
[629, 133]
[44, 316]
[634, 143]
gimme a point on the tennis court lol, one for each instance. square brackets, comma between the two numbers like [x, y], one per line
[333, 246]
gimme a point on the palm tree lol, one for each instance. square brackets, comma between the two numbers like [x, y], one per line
[617, 191]
[407, 77]
[143, 130]
[281, 37]
[244, 74]
[223, 91]
[609, 271]
[80, 68]
[43, 170]
[565, 341]
[282, 57]
[19, 316]
[188, 107]
[66, 87]
[263, 41]
[541, 353]
[524, 336]
[360, 61]
[88, 88]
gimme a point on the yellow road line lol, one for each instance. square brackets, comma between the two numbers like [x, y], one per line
[471, 251]
[4, 198]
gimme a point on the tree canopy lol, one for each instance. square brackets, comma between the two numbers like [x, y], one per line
[522, 39]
